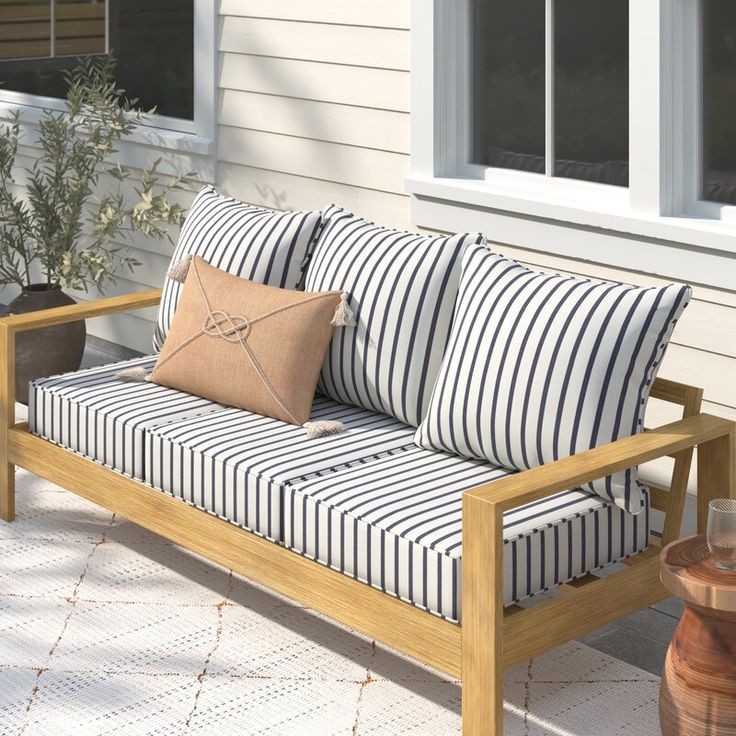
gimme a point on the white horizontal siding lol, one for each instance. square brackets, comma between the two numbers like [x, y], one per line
[364, 167]
[322, 121]
[287, 191]
[383, 48]
[708, 325]
[384, 89]
[314, 103]
[375, 13]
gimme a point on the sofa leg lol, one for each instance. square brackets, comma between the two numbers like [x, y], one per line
[7, 420]
[7, 492]
[482, 618]
[716, 473]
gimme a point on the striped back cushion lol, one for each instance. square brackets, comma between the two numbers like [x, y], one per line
[261, 245]
[542, 366]
[402, 288]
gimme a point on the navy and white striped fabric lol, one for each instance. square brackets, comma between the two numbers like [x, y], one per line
[395, 523]
[541, 366]
[261, 245]
[105, 419]
[235, 464]
[402, 288]
[366, 502]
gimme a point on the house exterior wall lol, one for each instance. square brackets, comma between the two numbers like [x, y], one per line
[314, 104]
[314, 108]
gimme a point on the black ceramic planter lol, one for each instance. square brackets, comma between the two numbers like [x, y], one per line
[47, 351]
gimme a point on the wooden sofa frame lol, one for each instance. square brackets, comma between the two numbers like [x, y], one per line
[492, 637]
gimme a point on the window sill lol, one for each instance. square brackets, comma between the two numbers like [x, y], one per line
[147, 135]
[595, 226]
[174, 140]
[183, 151]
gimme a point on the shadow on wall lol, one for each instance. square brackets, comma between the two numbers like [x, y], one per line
[314, 130]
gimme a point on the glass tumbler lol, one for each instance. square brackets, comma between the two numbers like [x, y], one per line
[721, 532]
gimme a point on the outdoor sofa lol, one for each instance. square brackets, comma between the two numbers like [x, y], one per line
[306, 517]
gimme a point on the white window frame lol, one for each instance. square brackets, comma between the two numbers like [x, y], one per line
[663, 201]
[186, 143]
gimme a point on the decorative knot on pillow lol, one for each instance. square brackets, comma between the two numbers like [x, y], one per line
[248, 345]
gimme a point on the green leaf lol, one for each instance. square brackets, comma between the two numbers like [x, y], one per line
[70, 221]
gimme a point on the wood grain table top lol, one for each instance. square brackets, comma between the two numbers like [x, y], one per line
[688, 571]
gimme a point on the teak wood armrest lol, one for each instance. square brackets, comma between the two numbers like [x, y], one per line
[75, 312]
[573, 471]
[9, 327]
[491, 641]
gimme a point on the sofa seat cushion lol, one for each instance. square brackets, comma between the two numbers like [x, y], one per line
[395, 523]
[104, 418]
[237, 465]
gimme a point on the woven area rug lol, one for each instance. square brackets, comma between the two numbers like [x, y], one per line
[108, 629]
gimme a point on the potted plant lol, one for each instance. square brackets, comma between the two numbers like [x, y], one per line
[63, 224]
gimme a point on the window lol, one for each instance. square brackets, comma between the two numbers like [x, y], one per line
[590, 39]
[508, 94]
[593, 128]
[153, 42]
[719, 101]
[550, 87]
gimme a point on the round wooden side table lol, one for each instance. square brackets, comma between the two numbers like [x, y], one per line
[698, 691]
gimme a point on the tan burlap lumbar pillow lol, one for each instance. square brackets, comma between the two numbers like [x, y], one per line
[248, 345]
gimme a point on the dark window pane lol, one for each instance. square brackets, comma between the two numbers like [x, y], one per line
[507, 40]
[36, 76]
[592, 90]
[154, 45]
[719, 101]
[153, 42]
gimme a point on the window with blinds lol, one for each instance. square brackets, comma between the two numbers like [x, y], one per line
[152, 41]
[43, 28]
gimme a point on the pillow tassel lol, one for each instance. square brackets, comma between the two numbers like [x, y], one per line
[178, 272]
[133, 375]
[323, 428]
[344, 316]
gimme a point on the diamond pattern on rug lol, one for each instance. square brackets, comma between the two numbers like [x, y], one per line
[45, 512]
[586, 665]
[392, 708]
[154, 573]
[70, 704]
[387, 664]
[587, 707]
[125, 532]
[275, 707]
[288, 642]
[29, 629]
[107, 629]
[35, 567]
[136, 638]
[16, 685]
